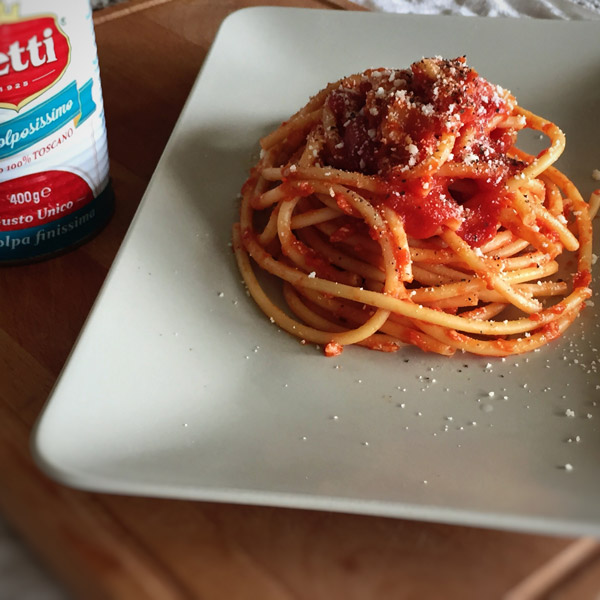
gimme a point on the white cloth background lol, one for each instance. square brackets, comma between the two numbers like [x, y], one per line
[542, 9]
[21, 577]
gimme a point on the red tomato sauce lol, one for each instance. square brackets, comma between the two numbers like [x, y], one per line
[424, 211]
[388, 121]
[582, 279]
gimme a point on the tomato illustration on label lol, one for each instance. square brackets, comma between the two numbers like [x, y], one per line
[34, 54]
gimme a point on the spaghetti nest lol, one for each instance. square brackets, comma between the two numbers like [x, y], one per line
[396, 209]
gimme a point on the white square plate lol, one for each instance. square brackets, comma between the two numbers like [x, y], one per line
[180, 387]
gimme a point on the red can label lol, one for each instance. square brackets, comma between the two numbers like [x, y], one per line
[34, 54]
[34, 200]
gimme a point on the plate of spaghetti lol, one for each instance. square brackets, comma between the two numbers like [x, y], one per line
[397, 209]
[359, 281]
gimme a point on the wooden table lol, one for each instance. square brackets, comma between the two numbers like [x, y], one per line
[105, 546]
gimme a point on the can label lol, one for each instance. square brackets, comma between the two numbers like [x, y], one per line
[54, 184]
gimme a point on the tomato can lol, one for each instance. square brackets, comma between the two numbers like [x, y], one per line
[54, 172]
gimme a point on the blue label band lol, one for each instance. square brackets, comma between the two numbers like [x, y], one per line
[26, 130]
[86, 102]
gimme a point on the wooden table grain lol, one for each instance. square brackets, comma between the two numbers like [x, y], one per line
[104, 546]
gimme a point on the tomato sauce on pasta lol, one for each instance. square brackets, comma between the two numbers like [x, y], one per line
[397, 209]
